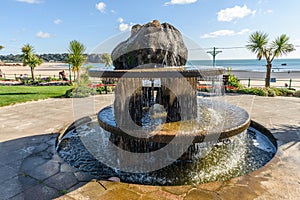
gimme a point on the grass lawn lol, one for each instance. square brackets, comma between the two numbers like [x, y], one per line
[16, 94]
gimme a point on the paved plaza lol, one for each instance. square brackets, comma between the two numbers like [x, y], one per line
[31, 169]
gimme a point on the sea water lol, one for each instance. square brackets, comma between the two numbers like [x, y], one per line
[280, 65]
[251, 64]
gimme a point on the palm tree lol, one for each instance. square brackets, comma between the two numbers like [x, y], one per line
[76, 57]
[106, 58]
[258, 43]
[30, 59]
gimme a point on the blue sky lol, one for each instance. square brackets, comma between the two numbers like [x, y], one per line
[49, 25]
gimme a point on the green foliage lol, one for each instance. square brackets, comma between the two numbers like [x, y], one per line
[101, 89]
[76, 57]
[81, 87]
[285, 91]
[233, 80]
[30, 59]
[297, 93]
[271, 92]
[80, 92]
[254, 91]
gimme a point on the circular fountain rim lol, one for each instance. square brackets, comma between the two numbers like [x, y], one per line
[198, 137]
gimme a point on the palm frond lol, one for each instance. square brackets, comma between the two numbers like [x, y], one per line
[257, 43]
[282, 46]
[76, 55]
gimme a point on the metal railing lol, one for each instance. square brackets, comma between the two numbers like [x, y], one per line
[256, 82]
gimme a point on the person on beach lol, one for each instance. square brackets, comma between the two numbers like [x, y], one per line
[62, 75]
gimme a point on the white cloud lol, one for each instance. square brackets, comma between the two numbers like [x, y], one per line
[268, 11]
[57, 21]
[42, 34]
[181, 2]
[225, 32]
[101, 7]
[120, 20]
[124, 27]
[236, 12]
[29, 1]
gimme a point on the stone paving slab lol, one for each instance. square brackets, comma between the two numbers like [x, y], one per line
[31, 169]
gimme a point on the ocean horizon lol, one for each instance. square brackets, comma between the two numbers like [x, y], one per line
[278, 65]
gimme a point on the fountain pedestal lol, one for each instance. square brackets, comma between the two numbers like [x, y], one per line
[180, 101]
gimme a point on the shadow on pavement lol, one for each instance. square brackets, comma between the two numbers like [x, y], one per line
[31, 169]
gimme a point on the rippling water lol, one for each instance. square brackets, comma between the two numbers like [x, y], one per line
[240, 155]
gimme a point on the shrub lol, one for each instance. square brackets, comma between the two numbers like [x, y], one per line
[278, 91]
[271, 92]
[80, 92]
[81, 89]
[101, 89]
[234, 81]
[254, 91]
[297, 93]
[284, 92]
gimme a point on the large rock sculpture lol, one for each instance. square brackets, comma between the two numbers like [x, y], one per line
[152, 43]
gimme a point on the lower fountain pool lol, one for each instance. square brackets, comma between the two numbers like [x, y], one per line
[84, 144]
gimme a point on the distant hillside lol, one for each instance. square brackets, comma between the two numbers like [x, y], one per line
[92, 58]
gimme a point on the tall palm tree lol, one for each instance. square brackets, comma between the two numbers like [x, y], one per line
[30, 59]
[258, 43]
[76, 57]
[106, 58]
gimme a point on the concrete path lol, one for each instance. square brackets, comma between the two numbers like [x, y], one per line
[31, 169]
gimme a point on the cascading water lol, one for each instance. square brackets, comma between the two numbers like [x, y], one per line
[159, 131]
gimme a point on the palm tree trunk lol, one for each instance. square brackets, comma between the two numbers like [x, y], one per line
[268, 75]
[74, 76]
[78, 76]
[32, 73]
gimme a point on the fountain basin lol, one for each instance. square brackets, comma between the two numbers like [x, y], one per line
[245, 153]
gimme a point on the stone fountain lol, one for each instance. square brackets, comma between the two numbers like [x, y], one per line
[157, 123]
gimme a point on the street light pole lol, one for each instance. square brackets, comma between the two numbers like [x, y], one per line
[214, 53]
[70, 76]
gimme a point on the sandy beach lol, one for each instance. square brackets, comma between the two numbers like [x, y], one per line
[256, 78]
[44, 70]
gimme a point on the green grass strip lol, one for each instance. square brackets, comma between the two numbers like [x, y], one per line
[17, 94]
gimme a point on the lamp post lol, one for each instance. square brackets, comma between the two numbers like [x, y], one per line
[214, 53]
[70, 76]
